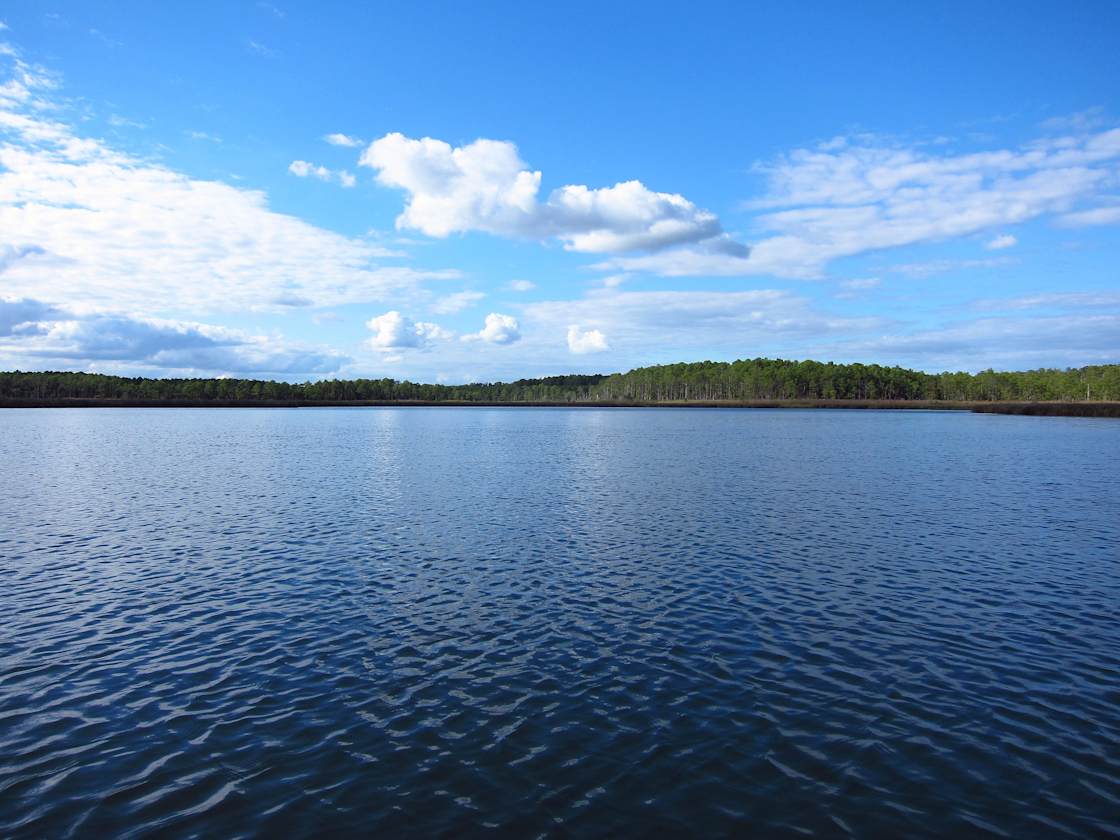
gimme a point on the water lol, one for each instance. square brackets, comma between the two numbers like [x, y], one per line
[558, 622]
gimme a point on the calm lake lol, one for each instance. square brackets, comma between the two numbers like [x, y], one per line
[558, 622]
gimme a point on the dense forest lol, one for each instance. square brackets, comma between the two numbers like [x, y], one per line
[746, 379]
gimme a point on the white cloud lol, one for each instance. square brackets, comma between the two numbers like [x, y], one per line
[498, 329]
[644, 324]
[522, 285]
[118, 121]
[586, 341]
[1090, 218]
[22, 314]
[3, 26]
[1001, 242]
[1003, 343]
[485, 186]
[849, 197]
[277, 12]
[1055, 300]
[456, 302]
[344, 140]
[626, 217]
[395, 332]
[112, 43]
[202, 135]
[641, 328]
[934, 267]
[44, 334]
[1081, 121]
[96, 226]
[304, 169]
[260, 49]
[852, 289]
[861, 284]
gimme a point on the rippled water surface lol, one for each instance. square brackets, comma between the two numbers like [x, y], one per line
[556, 622]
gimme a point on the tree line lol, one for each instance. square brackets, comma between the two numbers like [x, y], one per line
[745, 379]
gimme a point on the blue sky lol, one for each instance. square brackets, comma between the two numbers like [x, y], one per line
[448, 192]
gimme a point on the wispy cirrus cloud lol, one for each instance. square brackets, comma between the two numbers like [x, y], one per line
[1053, 300]
[858, 287]
[1091, 218]
[931, 268]
[96, 226]
[257, 48]
[456, 302]
[112, 43]
[642, 323]
[853, 196]
[1003, 342]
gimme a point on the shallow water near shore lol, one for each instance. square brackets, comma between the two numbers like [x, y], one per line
[558, 622]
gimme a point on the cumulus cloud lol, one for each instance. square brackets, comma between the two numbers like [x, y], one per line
[498, 329]
[456, 302]
[40, 332]
[851, 196]
[305, 169]
[1001, 242]
[344, 140]
[302, 169]
[485, 186]
[394, 332]
[105, 228]
[522, 285]
[586, 341]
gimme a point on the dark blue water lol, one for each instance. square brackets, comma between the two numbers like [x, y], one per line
[558, 622]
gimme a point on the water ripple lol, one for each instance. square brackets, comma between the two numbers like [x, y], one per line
[544, 623]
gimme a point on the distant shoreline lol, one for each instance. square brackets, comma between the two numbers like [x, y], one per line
[1053, 409]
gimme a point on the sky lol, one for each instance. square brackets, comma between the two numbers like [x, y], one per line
[450, 192]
